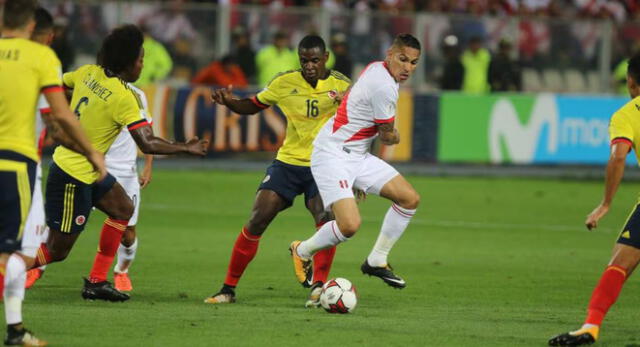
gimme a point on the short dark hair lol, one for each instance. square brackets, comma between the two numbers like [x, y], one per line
[44, 21]
[312, 41]
[406, 40]
[633, 69]
[17, 13]
[121, 48]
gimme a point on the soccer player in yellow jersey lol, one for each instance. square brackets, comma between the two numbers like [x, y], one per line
[308, 97]
[624, 131]
[104, 104]
[26, 70]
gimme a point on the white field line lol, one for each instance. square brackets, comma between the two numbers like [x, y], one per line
[419, 221]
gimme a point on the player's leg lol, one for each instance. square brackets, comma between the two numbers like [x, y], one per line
[129, 242]
[34, 231]
[110, 198]
[382, 179]
[323, 259]
[266, 206]
[625, 258]
[17, 176]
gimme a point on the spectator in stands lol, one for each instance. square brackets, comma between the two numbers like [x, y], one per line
[504, 72]
[476, 60]
[222, 73]
[61, 45]
[275, 58]
[620, 77]
[157, 62]
[184, 63]
[244, 55]
[453, 71]
[340, 51]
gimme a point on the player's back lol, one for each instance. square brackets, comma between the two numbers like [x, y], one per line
[103, 104]
[26, 69]
[371, 101]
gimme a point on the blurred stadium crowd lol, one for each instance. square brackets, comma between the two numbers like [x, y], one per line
[471, 45]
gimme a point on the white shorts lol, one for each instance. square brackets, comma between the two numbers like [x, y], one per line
[131, 185]
[337, 173]
[35, 229]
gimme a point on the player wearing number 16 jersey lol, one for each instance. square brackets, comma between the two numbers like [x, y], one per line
[308, 97]
[104, 103]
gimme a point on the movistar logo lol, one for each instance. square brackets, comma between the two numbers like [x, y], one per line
[521, 140]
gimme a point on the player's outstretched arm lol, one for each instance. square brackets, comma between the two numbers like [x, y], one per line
[145, 177]
[388, 133]
[151, 144]
[224, 97]
[67, 121]
[58, 135]
[613, 176]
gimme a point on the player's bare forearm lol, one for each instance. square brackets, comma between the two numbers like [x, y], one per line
[151, 144]
[58, 135]
[388, 134]
[242, 106]
[68, 123]
[614, 171]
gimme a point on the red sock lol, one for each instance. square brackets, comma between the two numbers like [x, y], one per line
[244, 250]
[3, 271]
[43, 257]
[322, 261]
[605, 294]
[112, 231]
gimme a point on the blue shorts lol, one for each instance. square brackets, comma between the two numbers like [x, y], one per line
[289, 181]
[630, 234]
[68, 202]
[17, 176]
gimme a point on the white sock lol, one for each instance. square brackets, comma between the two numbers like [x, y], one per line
[329, 235]
[394, 224]
[14, 279]
[126, 256]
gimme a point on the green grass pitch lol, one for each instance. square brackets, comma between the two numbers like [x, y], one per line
[488, 262]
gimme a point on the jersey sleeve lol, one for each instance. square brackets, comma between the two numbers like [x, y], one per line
[130, 112]
[270, 95]
[383, 102]
[50, 72]
[620, 129]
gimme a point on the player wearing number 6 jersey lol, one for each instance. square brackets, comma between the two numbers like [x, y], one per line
[104, 103]
[341, 160]
[308, 97]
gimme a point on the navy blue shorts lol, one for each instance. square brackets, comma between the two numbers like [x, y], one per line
[289, 181]
[17, 177]
[630, 234]
[68, 201]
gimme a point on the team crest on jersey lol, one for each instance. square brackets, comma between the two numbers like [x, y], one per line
[266, 178]
[332, 94]
[80, 220]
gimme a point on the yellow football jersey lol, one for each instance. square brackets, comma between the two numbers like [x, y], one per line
[103, 105]
[305, 107]
[625, 125]
[26, 70]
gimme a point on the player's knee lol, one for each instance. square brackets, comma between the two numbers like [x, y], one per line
[410, 201]
[124, 212]
[58, 254]
[129, 236]
[350, 226]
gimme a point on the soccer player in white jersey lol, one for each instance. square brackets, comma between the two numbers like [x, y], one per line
[341, 161]
[121, 163]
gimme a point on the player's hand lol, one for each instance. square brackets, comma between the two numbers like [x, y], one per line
[360, 195]
[145, 177]
[97, 161]
[222, 95]
[595, 215]
[196, 146]
[393, 140]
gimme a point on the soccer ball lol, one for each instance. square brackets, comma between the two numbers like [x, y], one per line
[338, 296]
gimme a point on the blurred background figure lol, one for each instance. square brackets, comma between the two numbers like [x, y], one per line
[476, 60]
[453, 71]
[504, 72]
[340, 51]
[244, 54]
[275, 58]
[157, 61]
[222, 73]
[61, 45]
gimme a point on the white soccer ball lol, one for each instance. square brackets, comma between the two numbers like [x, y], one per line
[338, 296]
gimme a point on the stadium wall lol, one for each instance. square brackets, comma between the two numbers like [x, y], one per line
[448, 128]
